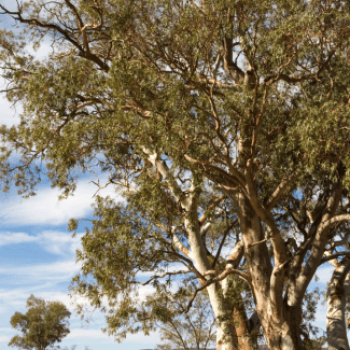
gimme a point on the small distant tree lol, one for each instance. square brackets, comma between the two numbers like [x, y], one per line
[194, 329]
[44, 324]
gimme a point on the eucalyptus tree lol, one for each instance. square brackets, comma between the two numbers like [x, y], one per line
[223, 123]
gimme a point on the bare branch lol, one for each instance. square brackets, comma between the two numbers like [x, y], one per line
[176, 243]
[236, 178]
[320, 236]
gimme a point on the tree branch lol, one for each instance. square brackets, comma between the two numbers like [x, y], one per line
[334, 256]
[228, 271]
[222, 243]
[281, 188]
[181, 272]
[215, 202]
[65, 33]
[319, 240]
[328, 223]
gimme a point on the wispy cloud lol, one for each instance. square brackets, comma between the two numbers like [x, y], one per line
[55, 242]
[46, 209]
[58, 271]
[16, 299]
[153, 338]
[8, 238]
[60, 243]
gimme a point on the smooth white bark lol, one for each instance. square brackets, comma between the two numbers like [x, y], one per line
[336, 299]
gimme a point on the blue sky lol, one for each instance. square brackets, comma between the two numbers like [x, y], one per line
[37, 256]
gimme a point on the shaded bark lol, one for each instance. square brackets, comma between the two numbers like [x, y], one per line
[242, 328]
[280, 322]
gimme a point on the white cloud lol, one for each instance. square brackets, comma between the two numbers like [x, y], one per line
[87, 333]
[9, 116]
[46, 209]
[18, 296]
[7, 238]
[55, 242]
[324, 274]
[98, 334]
[8, 3]
[153, 338]
[58, 271]
[4, 339]
[59, 242]
[16, 299]
[42, 52]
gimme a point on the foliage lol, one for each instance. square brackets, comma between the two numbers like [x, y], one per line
[43, 325]
[222, 124]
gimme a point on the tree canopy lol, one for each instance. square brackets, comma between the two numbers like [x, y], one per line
[43, 325]
[224, 125]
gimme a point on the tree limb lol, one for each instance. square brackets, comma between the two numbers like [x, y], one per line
[281, 188]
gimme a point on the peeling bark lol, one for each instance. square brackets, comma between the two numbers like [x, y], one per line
[242, 329]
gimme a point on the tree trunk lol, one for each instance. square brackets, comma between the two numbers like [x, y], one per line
[282, 336]
[337, 291]
[278, 320]
[242, 330]
[233, 299]
[336, 327]
[226, 335]
[254, 329]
